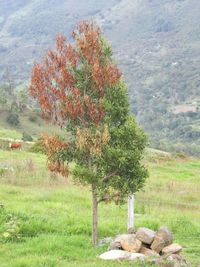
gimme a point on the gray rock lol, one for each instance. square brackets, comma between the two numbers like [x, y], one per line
[131, 243]
[145, 235]
[121, 255]
[115, 245]
[131, 231]
[177, 257]
[162, 239]
[149, 252]
[173, 248]
[177, 260]
[118, 238]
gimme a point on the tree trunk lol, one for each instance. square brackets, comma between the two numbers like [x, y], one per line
[94, 216]
[131, 211]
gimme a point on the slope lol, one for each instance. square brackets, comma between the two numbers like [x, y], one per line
[156, 43]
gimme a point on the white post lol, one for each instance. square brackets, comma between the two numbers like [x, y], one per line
[131, 211]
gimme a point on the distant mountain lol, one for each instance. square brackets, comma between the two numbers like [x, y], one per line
[156, 42]
[28, 28]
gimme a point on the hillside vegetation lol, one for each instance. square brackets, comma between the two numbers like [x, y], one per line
[48, 217]
[156, 42]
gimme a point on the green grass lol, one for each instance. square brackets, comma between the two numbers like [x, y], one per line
[35, 129]
[54, 216]
[8, 133]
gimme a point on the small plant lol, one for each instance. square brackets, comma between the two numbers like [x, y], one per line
[2, 171]
[12, 228]
[27, 137]
[29, 165]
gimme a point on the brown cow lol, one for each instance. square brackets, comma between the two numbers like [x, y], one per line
[14, 146]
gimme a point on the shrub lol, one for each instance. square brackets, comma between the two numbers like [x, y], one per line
[26, 137]
[13, 119]
[33, 118]
[38, 147]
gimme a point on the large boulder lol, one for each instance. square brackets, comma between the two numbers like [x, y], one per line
[171, 249]
[131, 243]
[145, 235]
[121, 255]
[126, 242]
[162, 239]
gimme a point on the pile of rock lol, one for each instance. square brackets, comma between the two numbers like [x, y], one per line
[146, 244]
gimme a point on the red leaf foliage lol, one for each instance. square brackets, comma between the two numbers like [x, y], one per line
[53, 145]
[57, 88]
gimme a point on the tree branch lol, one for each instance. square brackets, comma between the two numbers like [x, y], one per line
[107, 177]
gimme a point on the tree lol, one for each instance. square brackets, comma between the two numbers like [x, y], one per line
[9, 81]
[79, 87]
[3, 98]
[13, 119]
[22, 99]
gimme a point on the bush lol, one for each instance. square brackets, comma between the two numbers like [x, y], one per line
[38, 147]
[33, 118]
[13, 119]
[26, 137]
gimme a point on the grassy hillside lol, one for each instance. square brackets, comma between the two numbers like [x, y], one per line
[52, 216]
[34, 129]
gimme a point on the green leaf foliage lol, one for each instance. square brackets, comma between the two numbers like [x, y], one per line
[119, 170]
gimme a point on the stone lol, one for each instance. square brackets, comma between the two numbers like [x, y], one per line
[171, 249]
[177, 260]
[115, 245]
[136, 256]
[131, 243]
[131, 230]
[121, 255]
[118, 238]
[145, 235]
[158, 244]
[177, 257]
[148, 252]
[162, 239]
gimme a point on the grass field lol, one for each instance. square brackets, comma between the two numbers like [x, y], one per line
[52, 217]
[34, 129]
[6, 133]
